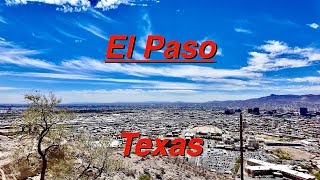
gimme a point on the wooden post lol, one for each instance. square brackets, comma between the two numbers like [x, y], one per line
[241, 146]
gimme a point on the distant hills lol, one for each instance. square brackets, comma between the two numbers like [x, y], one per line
[273, 100]
[309, 98]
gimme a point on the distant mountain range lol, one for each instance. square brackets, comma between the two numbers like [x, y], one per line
[308, 100]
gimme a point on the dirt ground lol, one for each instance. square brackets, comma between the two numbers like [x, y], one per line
[6, 147]
[157, 167]
[297, 154]
[165, 168]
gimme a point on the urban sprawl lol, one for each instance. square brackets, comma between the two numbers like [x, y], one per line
[278, 143]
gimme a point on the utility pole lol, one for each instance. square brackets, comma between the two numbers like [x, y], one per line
[241, 146]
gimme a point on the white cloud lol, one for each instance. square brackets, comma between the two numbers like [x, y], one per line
[274, 46]
[146, 31]
[170, 85]
[313, 56]
[12, 54]
[111, 4]
[150, 84]
[12, 98]
[46, 36]
[69, 76]
[28, 62]
[275, 55]
[83, 5]
[301, 89]
[93, 30]
[66, 5]
[70, 35]
[313, 25]
[68, 8]
[167, 95]
[219, 51]
[241, 30]
[139, 95]
[208, 48]
[281, 21]
[310, 79]
[146, 28]
[221, 84]
[137, 56]
[100, 16]
[56, 2]
[2, 20]
[181, 71]
[237, 82]
[7, 88]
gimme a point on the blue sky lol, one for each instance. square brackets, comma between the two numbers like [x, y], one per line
[264, 47]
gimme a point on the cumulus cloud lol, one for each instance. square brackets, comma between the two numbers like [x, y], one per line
[275, 55]
[112, 4]
[313, 25]
[83, 5]
[64, 5]
[274, 46]
[56, 2]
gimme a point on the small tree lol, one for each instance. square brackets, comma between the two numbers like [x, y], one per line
[47, 145]
[43, 128]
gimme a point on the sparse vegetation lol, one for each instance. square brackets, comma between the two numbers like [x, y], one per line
[281, 154]
[317, 175]
[42, 130]
[48, 147]
[236, 167]
[312, 170]
[273, 138]
[145, 177]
